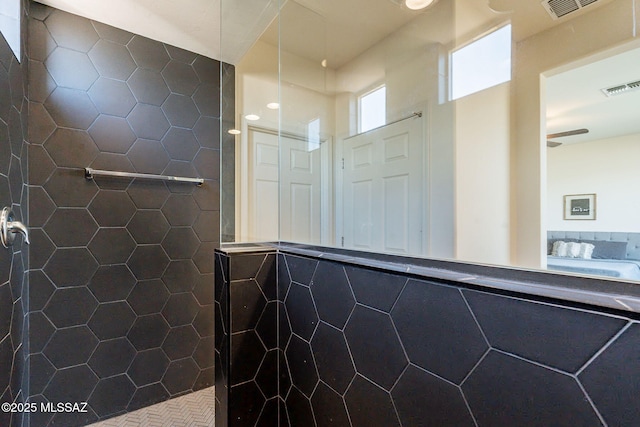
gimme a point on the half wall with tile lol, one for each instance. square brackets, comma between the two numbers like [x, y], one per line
[370, 346]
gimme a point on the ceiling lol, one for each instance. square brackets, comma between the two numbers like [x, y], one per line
[575, 99]
[346, 28]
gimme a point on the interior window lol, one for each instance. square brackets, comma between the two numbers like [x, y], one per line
[484, 63]
[372, 109]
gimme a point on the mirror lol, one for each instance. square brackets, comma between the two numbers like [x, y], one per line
[437, 170]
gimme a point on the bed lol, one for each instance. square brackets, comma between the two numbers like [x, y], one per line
[616, 254]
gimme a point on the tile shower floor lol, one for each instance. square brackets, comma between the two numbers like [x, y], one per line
[191, 410]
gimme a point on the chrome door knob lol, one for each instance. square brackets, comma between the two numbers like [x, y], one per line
[9, 228]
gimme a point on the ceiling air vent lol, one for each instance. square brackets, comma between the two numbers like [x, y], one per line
[620, 89]
[559, 8]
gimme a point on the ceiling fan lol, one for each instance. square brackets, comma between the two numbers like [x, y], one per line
[552, 144]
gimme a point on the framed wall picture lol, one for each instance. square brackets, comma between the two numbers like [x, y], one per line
[580, 206]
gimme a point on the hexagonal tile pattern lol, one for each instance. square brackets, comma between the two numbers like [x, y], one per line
[41, 84]
[148, 262]
[148, 332]
[148, 122]
[84, 227]
[71, 148]
[68, 188]
[38, 31]
[148, 195]
[112, 246]
[148, 86]
[452, 335]
[611, 383]
[332, 294]
[180, 110]
[180, 243]
[112, 134]
[112, 320]
[180, 77]
[180, 342]
[247, 353]
[148, 367]
[148, 156]
[504, 390]
[71, 31]
[203, 322]
[370, 405]
[207, 163]
[112, 34]
[112, 208]
[332, 357]
[112, 60]
[207, 132]
[419, 395]
[208, 70]
[112, 97]
[58, 308]
[148, 53]
[40, 288]
[111, 395]
[374, 288]
[181, 144]
[371, 332]
[71, 385]
[207, 229]
[180, 375]
[40, 125]
[112, 283]
[38, 154]
[112, 357]
[180, 309]
[247, 304]
[180, 276]
[301, 365]
[206, 100]
[148, 226]
[79, 338]
[71, 267]
[148, 296]
[180, 210]
[301, 310]
[267, 376]
[328, 407]
[71, 108]
[70, 68]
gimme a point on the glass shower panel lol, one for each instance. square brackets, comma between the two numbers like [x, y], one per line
[249, 166]
[366, 190]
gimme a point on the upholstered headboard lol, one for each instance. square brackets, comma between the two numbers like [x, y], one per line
[632, 239]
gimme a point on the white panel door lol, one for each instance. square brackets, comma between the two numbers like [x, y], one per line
[300, 200]
[383, 189]
[296, 185]
[263, 186]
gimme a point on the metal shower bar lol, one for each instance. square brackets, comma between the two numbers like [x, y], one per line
[412, 115]
[89, 173]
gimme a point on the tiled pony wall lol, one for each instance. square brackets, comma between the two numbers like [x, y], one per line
[366, 347]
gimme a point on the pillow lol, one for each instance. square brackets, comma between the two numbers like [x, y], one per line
[573, 249]
[586, 250]
[559, 248]
[605, 249]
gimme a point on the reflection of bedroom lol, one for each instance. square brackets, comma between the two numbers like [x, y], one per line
[601, 162]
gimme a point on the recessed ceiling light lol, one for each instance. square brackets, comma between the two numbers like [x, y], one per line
[252, 117]
[324, 63]
[234, 131]
[417, 4]
[273, 105]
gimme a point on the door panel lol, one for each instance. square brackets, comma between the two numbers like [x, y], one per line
[383, 189]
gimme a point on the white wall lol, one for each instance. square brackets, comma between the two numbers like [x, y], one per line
[608, 168]
[482, 176]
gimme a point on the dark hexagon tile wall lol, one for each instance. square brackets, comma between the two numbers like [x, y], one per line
[14, 297]
[139, 266]
[509, 360]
